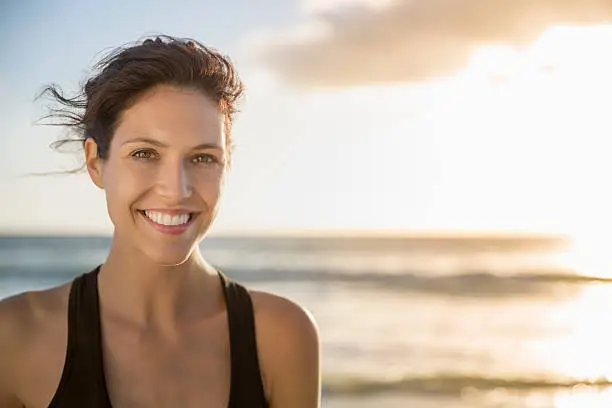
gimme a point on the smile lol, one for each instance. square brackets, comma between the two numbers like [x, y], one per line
[170, 223]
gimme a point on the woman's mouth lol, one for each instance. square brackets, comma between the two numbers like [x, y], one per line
[171, 222]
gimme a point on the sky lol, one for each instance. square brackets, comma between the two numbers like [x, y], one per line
[360, 115]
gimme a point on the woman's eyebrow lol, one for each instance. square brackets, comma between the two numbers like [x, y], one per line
[161, 144]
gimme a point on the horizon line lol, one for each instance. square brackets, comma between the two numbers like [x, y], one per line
[319, 233]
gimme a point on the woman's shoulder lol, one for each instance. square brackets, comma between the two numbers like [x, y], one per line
[279, 313]
[27, 320]
[289, 348]
[33, 305]
[26, 315]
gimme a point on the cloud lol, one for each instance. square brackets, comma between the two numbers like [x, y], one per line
[319, 6]
[415, 40]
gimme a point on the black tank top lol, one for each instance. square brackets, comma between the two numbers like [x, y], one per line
[82, 383]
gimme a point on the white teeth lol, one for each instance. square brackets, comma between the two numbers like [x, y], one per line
[167, 219]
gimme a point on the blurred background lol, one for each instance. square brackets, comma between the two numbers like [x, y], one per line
[428, 177]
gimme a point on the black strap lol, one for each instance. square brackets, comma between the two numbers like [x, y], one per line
[246, 389]
[82, 383]
[59, 398]
[90, 336]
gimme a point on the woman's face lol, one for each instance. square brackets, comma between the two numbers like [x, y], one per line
[164, 172]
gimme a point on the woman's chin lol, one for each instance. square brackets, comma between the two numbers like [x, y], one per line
[169, 258]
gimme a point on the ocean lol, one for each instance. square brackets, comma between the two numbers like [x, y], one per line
[408, 322]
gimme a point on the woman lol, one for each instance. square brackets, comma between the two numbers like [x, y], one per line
[155, 325]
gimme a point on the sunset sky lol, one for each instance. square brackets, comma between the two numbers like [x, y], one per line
[380, 115]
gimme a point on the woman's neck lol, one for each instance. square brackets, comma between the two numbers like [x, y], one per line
[150, 296]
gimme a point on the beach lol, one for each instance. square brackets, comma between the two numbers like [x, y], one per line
[406, 322]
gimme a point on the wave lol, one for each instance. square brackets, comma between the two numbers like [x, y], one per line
[539, 276]
[470, 283]
[449, 385]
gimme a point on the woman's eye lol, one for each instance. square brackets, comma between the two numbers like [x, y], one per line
[143, 154]
[205, 159]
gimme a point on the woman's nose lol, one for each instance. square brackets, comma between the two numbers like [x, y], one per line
[174, 182]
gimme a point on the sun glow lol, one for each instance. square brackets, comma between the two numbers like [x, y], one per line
[590, 253]
[572, 52]
[577, 348]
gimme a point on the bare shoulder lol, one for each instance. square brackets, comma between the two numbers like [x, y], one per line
[11, 332]
[289, 347]
[283, 316]
[24, 310]
[14, 312]
[16, 317]
[26, 318]
[24, 314]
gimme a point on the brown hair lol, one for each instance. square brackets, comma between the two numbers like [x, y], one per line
[128, 71]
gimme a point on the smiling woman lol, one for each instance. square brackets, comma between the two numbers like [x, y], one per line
[177, 170]
[155, 325]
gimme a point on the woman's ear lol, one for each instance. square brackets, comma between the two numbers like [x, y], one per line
[93, 162]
